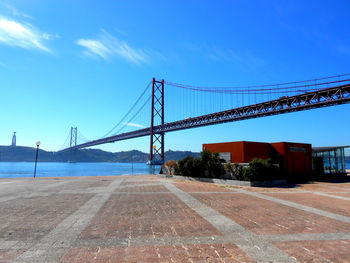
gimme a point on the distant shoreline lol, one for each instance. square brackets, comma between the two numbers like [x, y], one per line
[27, 154]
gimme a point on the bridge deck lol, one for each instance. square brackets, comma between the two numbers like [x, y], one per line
[322, 98]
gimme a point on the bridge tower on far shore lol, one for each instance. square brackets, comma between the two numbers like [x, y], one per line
[73, 136]
[157, 118]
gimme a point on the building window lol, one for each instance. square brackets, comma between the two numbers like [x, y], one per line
[333, 159]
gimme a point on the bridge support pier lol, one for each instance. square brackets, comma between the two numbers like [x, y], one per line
[157, 118]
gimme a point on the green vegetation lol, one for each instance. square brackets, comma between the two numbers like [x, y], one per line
[262, 170]
[258, 170]
[236, 171]
[206, 165]
[209, 166]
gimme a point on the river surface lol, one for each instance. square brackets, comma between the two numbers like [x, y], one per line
[26, 169]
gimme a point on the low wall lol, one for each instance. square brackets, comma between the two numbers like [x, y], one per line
[232, 182]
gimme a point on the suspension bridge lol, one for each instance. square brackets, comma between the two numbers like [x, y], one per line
[190, 107]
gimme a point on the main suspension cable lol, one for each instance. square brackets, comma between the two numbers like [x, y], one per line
[129, 111]
[134, 116]
[257, 88]
[65, 144]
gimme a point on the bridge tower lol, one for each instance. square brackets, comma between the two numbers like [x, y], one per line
[157, 118]
[73, 136]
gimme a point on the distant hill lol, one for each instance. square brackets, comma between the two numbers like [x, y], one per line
[27, 154]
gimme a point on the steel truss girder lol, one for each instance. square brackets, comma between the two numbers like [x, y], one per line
[311, 100]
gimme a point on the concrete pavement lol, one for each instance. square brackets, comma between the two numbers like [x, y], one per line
[155, 219]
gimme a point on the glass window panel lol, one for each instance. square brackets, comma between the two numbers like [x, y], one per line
[341, 164]
[331, 153]
[339, 152]
[333, 165]
[326, 164]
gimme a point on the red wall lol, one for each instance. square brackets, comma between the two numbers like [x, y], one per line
[235, 148]
[241, 152]
[255, 150]
[297, 157]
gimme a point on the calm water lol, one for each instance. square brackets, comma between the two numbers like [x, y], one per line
[26, 169]
[11, 170]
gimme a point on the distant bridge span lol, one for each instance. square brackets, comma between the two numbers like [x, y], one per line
[310, 100]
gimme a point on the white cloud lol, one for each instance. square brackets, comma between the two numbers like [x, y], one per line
[50, 37]
[107, 47]
[95, 47]
[15, 12]
[22, 35]
[244, 60]
[134, 125]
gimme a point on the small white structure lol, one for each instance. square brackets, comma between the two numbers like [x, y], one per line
[14, 139]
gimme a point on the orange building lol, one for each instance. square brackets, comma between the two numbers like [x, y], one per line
[292, 158]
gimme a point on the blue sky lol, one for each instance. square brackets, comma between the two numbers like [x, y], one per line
[83, 63]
